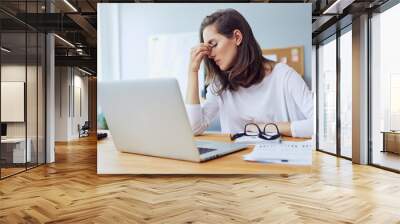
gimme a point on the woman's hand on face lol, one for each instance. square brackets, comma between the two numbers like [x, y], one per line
[196, 56]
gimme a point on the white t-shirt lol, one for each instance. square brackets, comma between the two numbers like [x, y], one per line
[281, 96]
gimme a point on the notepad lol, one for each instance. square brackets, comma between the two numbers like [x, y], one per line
[286, 152]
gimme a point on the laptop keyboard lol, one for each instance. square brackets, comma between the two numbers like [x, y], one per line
[205, 150]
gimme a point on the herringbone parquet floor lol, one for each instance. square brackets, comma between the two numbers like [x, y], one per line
[69, 191]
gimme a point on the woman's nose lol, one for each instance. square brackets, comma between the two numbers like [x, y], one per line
[211, 55]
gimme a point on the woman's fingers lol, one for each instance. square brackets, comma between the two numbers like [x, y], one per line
[201, 52]
[204, 46]
[197, 50]
[200, 55]
[197, 54]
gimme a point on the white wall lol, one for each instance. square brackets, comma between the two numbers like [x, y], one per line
[124, 31]
[67, 116]
[33, 127]
[15, 72]
[79, 117]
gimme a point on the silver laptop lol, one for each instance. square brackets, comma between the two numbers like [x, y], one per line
[148, 116]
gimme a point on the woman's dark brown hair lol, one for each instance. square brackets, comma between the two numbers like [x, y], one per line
[248, 67]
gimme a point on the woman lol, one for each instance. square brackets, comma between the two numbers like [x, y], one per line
[244, 87]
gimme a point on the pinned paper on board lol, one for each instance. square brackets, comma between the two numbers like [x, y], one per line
[295, 55]
[292, 56]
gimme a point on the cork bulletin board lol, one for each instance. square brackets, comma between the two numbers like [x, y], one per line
[293, 56]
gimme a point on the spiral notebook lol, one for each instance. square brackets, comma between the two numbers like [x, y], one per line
[285, 152]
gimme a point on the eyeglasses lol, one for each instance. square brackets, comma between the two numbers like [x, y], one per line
[261, 133]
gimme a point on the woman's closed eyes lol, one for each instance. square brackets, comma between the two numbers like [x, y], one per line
[213, 44]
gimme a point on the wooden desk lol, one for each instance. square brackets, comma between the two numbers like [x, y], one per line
[111, 161]
[391, 141]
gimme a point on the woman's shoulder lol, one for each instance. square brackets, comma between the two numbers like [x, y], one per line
[283, 68]
[284, 72]
[291, 80]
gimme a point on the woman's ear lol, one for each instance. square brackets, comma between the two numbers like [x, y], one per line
[237, 34]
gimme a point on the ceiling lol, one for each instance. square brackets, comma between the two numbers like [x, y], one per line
[76, 22]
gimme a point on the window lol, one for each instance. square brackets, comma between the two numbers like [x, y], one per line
[346, 93]
[385, 89]
[22, 66]
[327, 96]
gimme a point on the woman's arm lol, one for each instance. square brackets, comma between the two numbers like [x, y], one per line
[196, 56]
[192, 92]
[200, 117]
[284, 128]
[304, 100]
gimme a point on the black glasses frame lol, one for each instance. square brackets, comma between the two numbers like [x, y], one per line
[261, 133]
